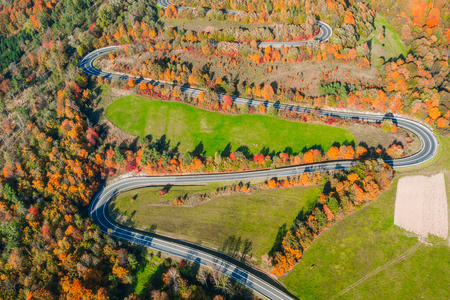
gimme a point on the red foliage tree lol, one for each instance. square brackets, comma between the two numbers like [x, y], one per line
[227, 101]
[258, 158]
[233, 156]
[91, 136]
[284, 157]
[33, 211]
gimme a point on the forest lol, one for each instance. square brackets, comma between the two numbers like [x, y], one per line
[56, 155]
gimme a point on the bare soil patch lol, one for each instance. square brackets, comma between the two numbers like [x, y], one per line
[421, 205]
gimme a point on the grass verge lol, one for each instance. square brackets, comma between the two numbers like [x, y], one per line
[368, 239]
[192, 128]
[439, 163]
[257, 217]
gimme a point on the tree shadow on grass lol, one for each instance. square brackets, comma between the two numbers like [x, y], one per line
[162, 144]
[314, 147]
[167, 187]
[237, 247]
[289, 151]
[198, 150]
[278, 239]
[227, 151]
[245, 151]
[267, 152]
[344, 143]
[94, 115]
[301, 216]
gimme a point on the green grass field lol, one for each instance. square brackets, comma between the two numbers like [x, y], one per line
[358, 245]
[146, 273]
[256, 217]
[392, 45]
[191, 126]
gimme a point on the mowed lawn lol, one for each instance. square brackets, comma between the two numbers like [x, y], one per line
[190, 127]
[256, 217]
[358, 245]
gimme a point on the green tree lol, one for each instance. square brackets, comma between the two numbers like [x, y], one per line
[333, 204]
[10, 194]
[321, 218]
[245, 108]
[187, 158]
[272, 111]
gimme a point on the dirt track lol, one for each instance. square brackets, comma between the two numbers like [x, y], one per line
[421, 205]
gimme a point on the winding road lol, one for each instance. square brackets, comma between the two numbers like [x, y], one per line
[238, 271]
[325, 30]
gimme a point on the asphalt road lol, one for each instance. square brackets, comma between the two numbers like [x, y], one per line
[325, 30]
[238, 271]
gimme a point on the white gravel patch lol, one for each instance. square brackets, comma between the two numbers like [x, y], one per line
[421, 205]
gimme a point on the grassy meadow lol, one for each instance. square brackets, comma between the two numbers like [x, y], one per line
[193, 128]
[256, 217]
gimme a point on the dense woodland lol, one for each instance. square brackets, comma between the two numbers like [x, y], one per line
[54, 157]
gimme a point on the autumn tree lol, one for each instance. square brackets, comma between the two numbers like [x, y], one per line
[333, 153]
[268, 92]
[262, 108]
[433, 17]
[142, 85]
[227, 101]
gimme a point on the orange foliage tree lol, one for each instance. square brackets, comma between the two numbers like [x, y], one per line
[268, 92]
[433, 17]
[142, 85]
[333, 153]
